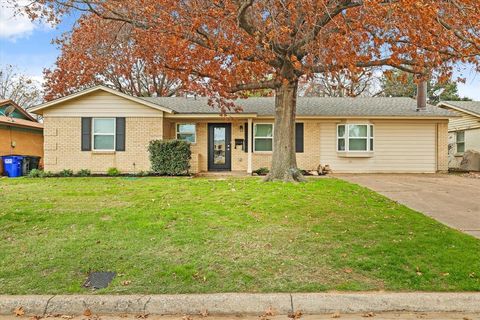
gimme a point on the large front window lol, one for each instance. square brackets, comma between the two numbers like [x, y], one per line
[354, 137]
[186, 132]
[104, 134]
[263, 137]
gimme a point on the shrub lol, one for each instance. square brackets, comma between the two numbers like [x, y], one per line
[170, 157]
[262, 171]
[66, 173]
[36, 173]
[84, 173]
[113, 172]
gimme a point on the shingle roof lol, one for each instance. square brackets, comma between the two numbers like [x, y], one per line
[20, 123]
[328, 107]
[471, 106]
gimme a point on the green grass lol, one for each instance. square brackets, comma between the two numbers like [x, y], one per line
[181, 235]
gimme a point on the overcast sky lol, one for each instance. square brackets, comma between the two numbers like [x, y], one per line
[28, 46]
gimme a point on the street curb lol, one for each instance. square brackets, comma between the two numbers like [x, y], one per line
[242, 303]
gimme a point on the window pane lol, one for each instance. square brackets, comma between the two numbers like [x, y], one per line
[357, 144]
[341, 131]
[341, 144]
[103, 142]
[461, 147]
[190, 137]
[460, 136]
[186, 128]
[357, 130]
[263, 130]
[104, 125]
[371, 144]
[371, 131]
[263, 144]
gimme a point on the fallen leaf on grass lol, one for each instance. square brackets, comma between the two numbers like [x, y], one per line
[348, 270]
[87, 313]
[419, 273]
[19, 311]
[126, 282]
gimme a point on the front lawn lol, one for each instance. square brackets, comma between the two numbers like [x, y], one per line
[181, 235]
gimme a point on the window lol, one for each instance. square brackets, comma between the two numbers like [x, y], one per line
[354, 137]
[186, 132]
[104, 134]
[460, 141]
[263, 137]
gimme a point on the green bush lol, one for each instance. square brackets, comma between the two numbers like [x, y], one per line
[262, 171]
[113, 172]
[84, 173]
[36, 173]
[66, 173]
[170, 157]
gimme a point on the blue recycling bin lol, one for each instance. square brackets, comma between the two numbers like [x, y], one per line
[12, 165]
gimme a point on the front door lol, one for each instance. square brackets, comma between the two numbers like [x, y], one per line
[219, 153]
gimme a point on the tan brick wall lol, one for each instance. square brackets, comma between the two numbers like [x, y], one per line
[442, 146]
[395, 146]
[307, 160]
[63, 146]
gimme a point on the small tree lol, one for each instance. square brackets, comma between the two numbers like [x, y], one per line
[23, 90]
[170, 157]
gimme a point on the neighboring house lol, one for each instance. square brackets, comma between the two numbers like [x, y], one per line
[20, 133]
[101, 128]
[464, 131]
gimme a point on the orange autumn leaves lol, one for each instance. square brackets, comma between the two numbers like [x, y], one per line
[213, 46]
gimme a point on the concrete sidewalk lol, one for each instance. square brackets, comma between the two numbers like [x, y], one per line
[243, 303]
[357, 316]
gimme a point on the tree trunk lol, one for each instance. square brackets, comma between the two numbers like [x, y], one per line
[284, 161]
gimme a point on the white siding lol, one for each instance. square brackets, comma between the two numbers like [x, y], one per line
[101, 104]
[472, 140]
[398, 147]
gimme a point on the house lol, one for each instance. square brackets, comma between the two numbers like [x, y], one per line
[20, 133]
[463, 131]
[101, 128]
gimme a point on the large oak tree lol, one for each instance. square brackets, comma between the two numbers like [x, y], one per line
[237, 45]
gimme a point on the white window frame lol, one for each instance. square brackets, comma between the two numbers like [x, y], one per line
[194, 132]
[370, 138]
[457, 142]
[104, 134]
[255, 138]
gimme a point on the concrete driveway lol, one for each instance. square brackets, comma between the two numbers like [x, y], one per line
[450, 199]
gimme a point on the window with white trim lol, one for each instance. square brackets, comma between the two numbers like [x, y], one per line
[103, 134]
[186, 132]
[263, 137]
[354, 137]
[460, 141]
